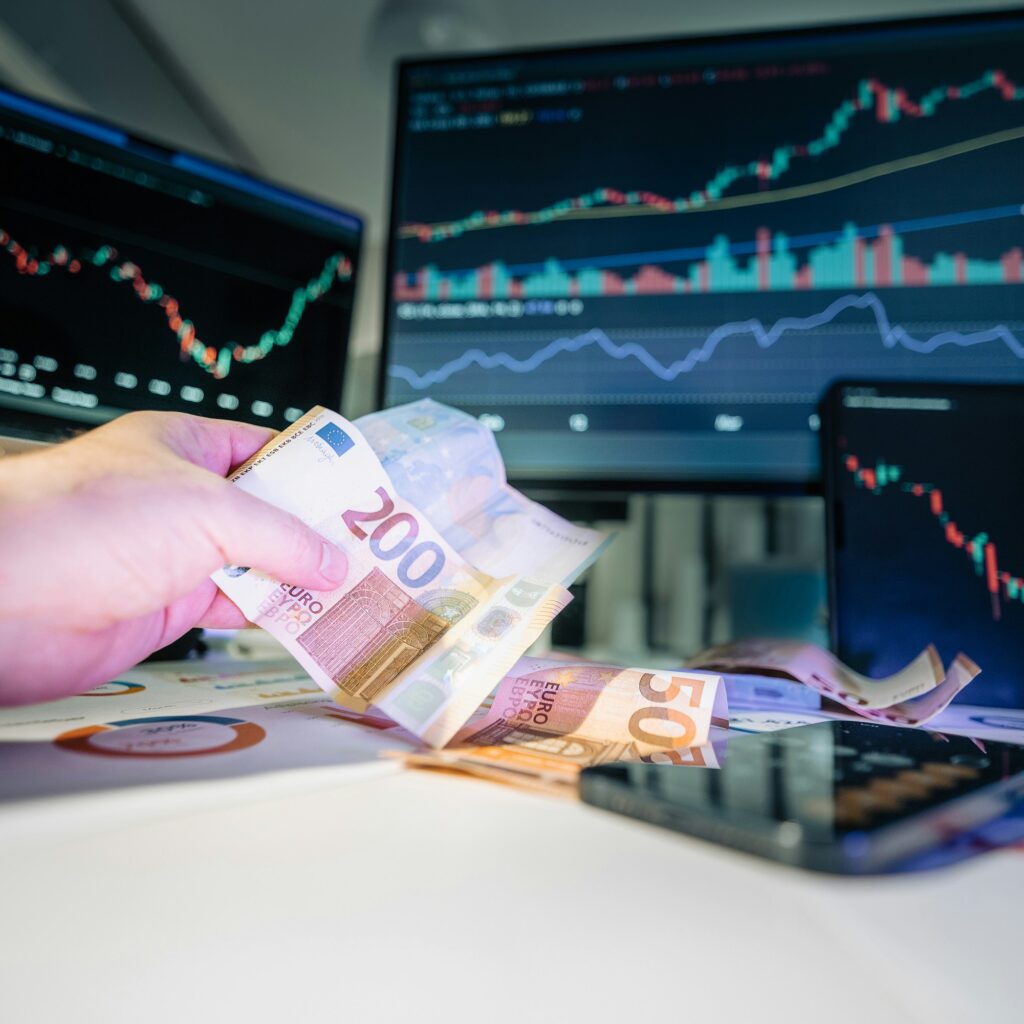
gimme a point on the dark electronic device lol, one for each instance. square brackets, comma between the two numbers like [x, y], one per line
[136, 276]
[924, 489]
[841, 797]
[642, 264]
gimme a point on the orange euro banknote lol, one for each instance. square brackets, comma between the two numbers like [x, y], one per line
[549, 719]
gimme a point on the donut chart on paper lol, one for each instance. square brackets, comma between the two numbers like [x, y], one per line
[164, 736]
[115, 688]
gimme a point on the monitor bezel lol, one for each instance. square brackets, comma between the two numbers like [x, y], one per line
[220, 176]
[602, 486]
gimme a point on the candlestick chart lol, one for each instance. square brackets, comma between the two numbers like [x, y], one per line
[216, 361]
[927, 543]
[135, 278]
[979, 548]
[871, 97]
[708, 234]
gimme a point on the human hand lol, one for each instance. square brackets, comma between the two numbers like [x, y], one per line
[107, 543]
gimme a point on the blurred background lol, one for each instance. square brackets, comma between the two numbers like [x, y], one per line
[301, 93]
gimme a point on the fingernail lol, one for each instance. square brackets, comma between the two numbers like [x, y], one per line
[333, 563]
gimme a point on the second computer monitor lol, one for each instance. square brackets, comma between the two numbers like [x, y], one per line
[133, 276]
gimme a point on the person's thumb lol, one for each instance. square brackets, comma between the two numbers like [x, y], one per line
[253, 533]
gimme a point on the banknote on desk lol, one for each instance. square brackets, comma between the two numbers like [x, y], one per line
[911, 696]
[550, 719]
[417, 630]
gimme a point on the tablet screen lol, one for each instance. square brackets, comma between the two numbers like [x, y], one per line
[925, 488]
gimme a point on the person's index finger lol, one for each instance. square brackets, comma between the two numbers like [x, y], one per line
[251, 532]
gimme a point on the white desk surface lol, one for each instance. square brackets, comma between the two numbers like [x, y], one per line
[368, 893]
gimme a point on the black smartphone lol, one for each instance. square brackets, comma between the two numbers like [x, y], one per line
[840, 797]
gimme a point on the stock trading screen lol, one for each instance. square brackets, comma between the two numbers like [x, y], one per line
[134, 277]
[648, 262]
[927, 487]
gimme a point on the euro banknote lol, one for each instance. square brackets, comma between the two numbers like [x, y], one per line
[909, 697]
[416, 629]
[446, 464]
[657, 711]
[549, 719]
[925, 707]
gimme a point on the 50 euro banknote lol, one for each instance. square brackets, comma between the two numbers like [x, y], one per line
[416, 629]
[549, 719]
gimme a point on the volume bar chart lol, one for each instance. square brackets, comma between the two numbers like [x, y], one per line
[980, 549]
[849, 257]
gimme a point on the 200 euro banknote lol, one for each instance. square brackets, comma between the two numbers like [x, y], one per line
[415, 629]
[448, 465]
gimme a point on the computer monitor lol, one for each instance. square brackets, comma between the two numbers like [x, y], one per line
[642, 264]
[924, 487]
[136, 276]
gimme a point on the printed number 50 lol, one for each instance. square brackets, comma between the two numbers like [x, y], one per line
[680, 718]
[395, 537]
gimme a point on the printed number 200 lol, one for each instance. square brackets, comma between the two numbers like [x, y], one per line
[395, 537]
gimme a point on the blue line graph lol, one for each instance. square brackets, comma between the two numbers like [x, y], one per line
[891, 335]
